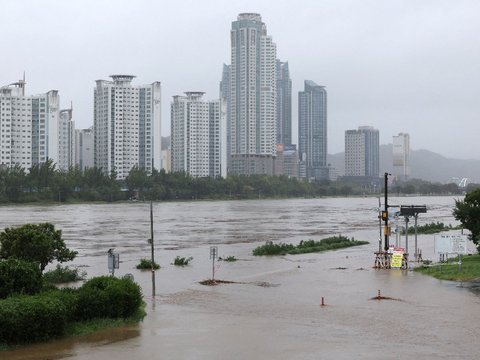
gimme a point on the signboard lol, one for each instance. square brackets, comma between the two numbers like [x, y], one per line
[412, 210]
[213, 252]
[397, 258]
[450, 244]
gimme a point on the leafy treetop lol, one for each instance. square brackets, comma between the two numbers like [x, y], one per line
[467, 211]
[39, 243]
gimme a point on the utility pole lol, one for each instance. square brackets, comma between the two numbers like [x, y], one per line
[379, 224]
[385, 217]
[152, 248]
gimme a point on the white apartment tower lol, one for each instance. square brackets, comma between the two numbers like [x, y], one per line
[66, 140]
[198, 135]
[253, 94]
[401, 156]
[28, 126]
[362, 152]
[127, 125]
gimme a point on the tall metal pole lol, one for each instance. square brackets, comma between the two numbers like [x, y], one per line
[379, 224]
[386, 211]
[152, 248]
[213, 268]
[406, 234]
[416, 247]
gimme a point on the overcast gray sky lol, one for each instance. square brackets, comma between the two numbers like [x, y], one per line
[398, 65]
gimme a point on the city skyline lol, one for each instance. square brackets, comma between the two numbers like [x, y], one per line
[400, 66]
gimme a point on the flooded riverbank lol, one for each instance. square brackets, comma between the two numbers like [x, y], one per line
[273, 310]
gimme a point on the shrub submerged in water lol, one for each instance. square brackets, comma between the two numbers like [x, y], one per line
[146, 264]
[182, 261]
[63, 274]
[306, 246]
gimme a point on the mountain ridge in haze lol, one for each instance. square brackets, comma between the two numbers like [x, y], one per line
[424, 164]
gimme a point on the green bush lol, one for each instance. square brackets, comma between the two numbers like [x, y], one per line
[228, 258]
[182, 261]
[41, 317]
[69, 298]
[146, 264]
[108, 297]
[25, 319]
[19, 277]
[306, 246]
[63, 274]
[431, 228]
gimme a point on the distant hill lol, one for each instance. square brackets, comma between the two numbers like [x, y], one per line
[424, 164]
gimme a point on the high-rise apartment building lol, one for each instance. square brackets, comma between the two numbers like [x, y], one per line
[312, 131]
[127, 125]
[253, 96]
[225, 97]
[362, 152]
[198, 136]
[66, 140]
[284, 104]
[28, 126]
[84, 146]
[401, 156]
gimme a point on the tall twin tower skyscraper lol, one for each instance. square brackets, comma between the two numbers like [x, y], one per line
[252, 132]
[258, 90]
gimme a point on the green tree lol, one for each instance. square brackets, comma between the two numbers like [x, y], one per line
[35, 243]
[138, 181]
[12, 182]
[467, 211]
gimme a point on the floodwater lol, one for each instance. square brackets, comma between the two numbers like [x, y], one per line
[273, 310]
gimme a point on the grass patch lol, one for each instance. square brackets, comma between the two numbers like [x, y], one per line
[432, 228]
[469, 271]
[63, 274]
[146, 264]
[307, 246]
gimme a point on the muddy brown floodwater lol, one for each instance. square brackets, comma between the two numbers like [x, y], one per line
[272, 311]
